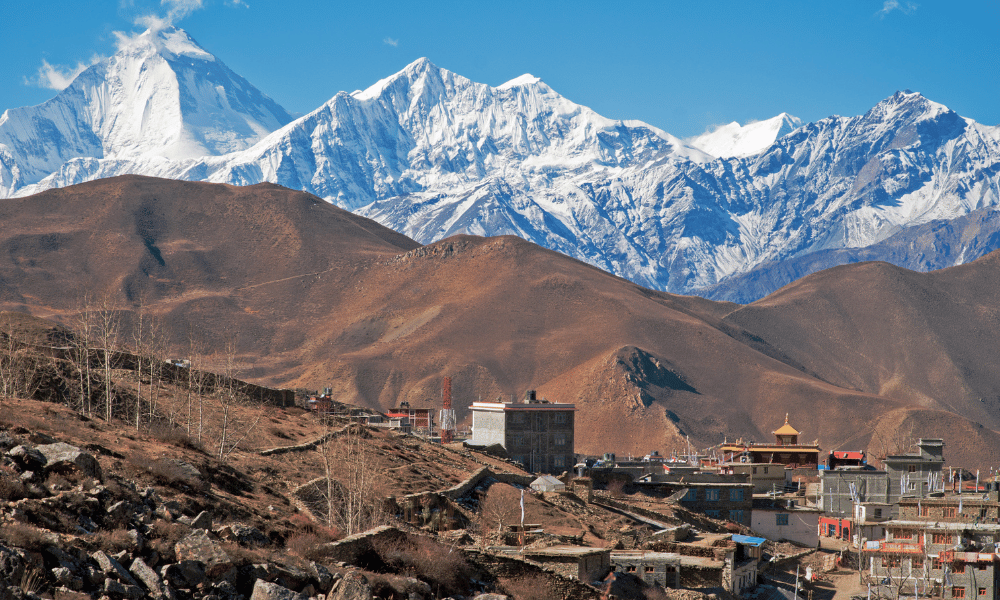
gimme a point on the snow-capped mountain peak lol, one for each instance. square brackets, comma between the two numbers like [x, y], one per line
[160, 95]
[734, 139]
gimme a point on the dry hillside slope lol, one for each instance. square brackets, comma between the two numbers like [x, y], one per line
[316, 297]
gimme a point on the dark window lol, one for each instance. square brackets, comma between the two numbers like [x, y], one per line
[712, 495]
[958, 592]
[781, 519]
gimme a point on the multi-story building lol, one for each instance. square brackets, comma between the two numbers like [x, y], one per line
[943, 546]
[786, 450]
[725, 497]
[916, 474]
[765, 477]
[536, 433]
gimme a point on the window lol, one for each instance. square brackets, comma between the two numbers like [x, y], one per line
[936, 563]
[891, 560]
[630, 569]
[924, 511]
[559, 461]
[982, 591]
[902, 534]
[981, 566]
[950, 511]
[781, 519]
[912, 485]
[560, 418]
[917, 562]
[712, 495]
[736, 495]
[560, 439]
[712, 513]
[941, 538]
[754, 469]
[878, 513]
[691, 496]
[958, 592]
[912, 468]
[648, 569]
[765, 470]
[736, 515]
[958, 568]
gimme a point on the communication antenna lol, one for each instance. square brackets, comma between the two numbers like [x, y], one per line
[447, 413]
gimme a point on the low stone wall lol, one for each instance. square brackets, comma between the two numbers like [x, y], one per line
[510, 567]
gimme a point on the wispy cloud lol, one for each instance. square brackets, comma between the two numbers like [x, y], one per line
[58, 77]
[890, 5]
[390, 42]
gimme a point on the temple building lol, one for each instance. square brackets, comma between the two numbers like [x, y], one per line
[786, 450]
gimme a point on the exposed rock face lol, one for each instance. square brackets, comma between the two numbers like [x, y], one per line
[60, 456]
[200, 546]
[185, 574]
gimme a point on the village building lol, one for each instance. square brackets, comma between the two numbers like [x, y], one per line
[577, 562]
[654, 568]
[943, 546]
[725, 497]
[781, 519]
[535, 432]
[786, 450]
[765, 477]
[421, 420]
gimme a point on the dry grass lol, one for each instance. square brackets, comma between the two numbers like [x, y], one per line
[443, 567]
[11, 487]
[113, 541]
[24, 536]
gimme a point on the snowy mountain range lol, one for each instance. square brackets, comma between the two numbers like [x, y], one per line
[430, 153]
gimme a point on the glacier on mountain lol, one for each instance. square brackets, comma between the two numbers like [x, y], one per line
[431, 154]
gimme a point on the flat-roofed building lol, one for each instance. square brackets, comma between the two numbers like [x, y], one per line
[535, 432]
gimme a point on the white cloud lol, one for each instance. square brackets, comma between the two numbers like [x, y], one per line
[890, 5]
[58, 77]
[391, 42]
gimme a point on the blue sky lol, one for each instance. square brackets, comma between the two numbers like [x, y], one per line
[681, 66]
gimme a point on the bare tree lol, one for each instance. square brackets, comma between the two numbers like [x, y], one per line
[500, 506]
[17, 367]
[236, 424]
[108, 325]
[82, 351]
[352, 488]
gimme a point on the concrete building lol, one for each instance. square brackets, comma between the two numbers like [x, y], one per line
[835, 498]
[944, 546]
[535, 432]
[725, 497]
[765, 477]
[783, 520]
[916, 474]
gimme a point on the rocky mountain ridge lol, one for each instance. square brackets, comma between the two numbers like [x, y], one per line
[431, 154]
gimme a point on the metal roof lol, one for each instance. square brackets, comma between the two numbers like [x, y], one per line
[747, 540]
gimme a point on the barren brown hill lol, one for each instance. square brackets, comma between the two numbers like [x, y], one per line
[317, 297]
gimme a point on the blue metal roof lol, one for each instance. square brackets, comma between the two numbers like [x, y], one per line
[749, 541]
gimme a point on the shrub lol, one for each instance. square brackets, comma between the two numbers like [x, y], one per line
[25, 536]
[533, 587]
[113, 541]
[11, 486]
[439, 565]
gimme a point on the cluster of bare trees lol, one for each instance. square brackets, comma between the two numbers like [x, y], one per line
[116, 368]
[352, 490]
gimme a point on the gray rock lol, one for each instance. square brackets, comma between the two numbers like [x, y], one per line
[110, 566]
[352, 587]
[202, 521]
[60, 456]
[492, 597]
[149, 578]
[199, 545]
[113, 587]
[323, 577]
[26, 456]
[185, 575]
[263, 590]
[244, 535]
[118, 514]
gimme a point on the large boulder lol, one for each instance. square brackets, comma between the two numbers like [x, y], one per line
[60, 456]
[244, 535]
[30, 459]
[149, 578]
[186, 574]
[110, 566]
[200, 546]
[263, 590]
[353, 586]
